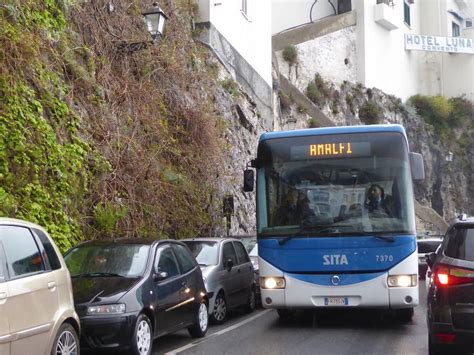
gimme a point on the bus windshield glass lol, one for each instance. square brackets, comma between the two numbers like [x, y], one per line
[347, 184]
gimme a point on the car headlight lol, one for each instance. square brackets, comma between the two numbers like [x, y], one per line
[272, 282]
[402, 280]
[106, 309]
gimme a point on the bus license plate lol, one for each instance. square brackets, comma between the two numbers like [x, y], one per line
[336, 301]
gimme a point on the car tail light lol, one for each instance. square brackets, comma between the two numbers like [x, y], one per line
[448, 276]
[445, 338]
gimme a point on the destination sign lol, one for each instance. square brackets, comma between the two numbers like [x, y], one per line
[330, 150]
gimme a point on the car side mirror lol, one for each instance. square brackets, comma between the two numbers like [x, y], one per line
[160, 276]
[229, 264]
[430, 259]
[248, 180]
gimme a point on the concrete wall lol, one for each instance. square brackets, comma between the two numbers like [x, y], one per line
[383, 61]
[442, 73]
[333, 56]
[249, 35]
[291, 13]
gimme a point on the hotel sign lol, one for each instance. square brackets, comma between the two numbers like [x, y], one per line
[439, 44]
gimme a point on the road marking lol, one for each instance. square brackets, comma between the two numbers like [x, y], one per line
[216, 334]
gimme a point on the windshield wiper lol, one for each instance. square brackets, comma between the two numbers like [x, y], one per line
[333, 229]
[98, 274]
[321, 229]
[386, 238]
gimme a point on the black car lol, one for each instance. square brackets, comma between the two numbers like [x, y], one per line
[128, 292]
[451, 291]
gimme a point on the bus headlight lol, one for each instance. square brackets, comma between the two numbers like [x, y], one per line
[272, 282]
[402, 280]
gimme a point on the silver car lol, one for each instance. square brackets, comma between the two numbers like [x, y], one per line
[227, 272]
[37, 314]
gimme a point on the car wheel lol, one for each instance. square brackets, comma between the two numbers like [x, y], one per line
[250, 306]
[405, 315]
[199, 329]
[219, 312]
[142, 336]
[66, 341]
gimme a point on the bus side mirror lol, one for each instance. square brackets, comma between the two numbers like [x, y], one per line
[417, 166]
[248, 180]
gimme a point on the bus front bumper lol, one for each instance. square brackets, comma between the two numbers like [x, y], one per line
[306, 291]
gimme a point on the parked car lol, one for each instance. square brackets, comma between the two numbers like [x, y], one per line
[254, 260]
[451, 291]
[130, 291]
[426, 246]
[37, 313]
[227, 272]
[248, 241]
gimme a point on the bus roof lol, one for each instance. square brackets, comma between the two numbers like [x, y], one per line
[334, 130]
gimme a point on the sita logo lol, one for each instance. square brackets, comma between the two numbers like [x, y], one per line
[336, 259]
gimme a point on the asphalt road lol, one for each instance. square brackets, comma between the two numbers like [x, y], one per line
[341, 332]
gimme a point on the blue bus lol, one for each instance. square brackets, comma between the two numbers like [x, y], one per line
[336, 220]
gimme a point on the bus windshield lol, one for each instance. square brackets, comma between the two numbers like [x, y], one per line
[347, 184]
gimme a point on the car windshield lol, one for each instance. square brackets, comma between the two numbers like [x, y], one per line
[127, 260]
[367, 191]
[206, 253]
[254, 251]
[249, 243]
[428, 246]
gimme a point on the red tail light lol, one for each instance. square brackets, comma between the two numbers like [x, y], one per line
[445, 338]
[448, 275]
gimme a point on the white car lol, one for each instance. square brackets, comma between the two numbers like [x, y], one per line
[37, 313]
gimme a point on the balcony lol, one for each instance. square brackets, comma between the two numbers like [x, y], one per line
[385, 15]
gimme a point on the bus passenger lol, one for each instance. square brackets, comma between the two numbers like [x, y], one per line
[377, 202]
[294, 210]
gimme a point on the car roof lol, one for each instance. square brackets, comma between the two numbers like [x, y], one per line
[216, 240]
[19, 222]
[130, 241]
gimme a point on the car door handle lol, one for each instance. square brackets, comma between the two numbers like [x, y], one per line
[238, 270]
[51, 285]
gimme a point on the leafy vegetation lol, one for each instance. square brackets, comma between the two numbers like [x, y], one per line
[370, 112]
[290, 54]
[98, 139]
[442, 113]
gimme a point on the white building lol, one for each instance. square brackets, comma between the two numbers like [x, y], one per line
[239, 33]
[398, 46]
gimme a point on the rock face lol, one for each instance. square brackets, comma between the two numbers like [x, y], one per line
[243, 126]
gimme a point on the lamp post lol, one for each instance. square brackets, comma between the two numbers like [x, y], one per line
[155, 20]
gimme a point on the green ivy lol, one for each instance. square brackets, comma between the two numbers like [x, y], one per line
[45, 166]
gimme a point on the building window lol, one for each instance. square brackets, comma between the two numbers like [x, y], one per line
[456, 30]
[406, 13]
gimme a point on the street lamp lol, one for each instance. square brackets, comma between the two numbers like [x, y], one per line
[155, 20]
